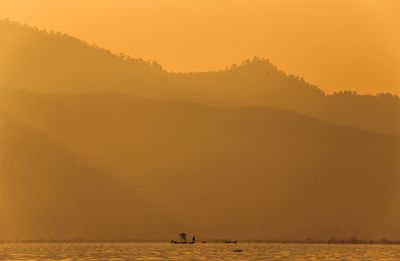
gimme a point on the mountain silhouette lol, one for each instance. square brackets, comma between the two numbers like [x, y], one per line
[248, 172]
[48, 192]
[57, 63]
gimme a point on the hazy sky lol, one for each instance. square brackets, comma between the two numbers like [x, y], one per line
[336, 44]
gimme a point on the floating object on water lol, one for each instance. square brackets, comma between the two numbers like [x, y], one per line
[237, 250]
[183, 239]
[178, 242]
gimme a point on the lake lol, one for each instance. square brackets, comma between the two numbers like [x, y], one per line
[161, 251]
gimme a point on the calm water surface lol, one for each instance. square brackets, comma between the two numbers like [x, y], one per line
[145, 251]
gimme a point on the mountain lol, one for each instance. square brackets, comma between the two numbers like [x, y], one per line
[80, 160]
[48, 192]
[56, 63]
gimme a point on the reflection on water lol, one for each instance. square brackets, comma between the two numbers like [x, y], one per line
[145, 251]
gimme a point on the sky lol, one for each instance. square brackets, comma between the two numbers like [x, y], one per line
[335, 44]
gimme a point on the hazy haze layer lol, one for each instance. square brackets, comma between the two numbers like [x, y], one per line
[115, 166]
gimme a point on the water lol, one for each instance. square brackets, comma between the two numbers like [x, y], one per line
[146, 251]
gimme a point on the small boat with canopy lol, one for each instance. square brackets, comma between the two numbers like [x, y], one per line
[183, 239]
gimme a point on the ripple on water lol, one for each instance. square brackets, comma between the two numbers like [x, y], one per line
[147, 251]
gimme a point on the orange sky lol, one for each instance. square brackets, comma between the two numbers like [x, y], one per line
[336, 44]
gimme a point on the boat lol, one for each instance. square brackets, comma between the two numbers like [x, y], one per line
[178, 242]
[183, 239]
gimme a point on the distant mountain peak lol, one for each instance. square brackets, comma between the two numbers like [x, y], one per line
[255, 63]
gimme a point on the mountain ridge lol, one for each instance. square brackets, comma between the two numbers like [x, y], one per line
[220, 172]
[56, 63]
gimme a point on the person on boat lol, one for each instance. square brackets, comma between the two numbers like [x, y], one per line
[183, 237]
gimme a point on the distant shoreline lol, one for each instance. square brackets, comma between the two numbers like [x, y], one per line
[215, 241]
